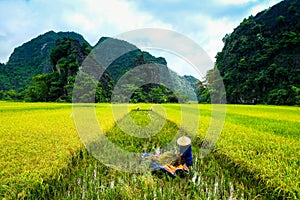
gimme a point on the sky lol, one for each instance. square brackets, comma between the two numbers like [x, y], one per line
[205, 22]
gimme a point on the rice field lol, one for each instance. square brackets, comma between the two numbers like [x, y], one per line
[43, 157]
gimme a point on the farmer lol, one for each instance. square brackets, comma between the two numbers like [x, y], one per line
[185, 151]
[173, 162]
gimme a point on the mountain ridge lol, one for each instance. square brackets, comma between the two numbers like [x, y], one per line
[30, 59]
[33, 58]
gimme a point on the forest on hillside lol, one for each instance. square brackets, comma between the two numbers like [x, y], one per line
[260, 61]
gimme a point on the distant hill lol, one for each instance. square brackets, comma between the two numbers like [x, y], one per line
[32, 58]
[136, 57]
[260, 61]
[50, 54]
[191, 80]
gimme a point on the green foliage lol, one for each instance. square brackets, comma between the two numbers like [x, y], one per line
[158, 94]
[66, 57]
[259, 61]
[280, 19]
[277, 96]
[85, 89]
[10, 95]
[210, 90]
[39, 89]
[296, 91]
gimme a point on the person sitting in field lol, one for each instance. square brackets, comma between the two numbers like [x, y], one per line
[173, 162]
[185, 151]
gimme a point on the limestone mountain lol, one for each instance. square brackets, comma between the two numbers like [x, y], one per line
[44, 69]
[32, 58]
[260, 61]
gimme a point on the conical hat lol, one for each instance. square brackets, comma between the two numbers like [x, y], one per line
[183, 141]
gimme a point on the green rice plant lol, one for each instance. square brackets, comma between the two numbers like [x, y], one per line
[36, 140]
[260, 144]
[111, 184]
[257, 154]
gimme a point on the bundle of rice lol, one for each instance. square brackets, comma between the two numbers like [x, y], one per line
[166, 158]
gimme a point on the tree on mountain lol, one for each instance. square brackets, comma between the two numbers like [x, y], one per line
[38, 91]
[66, 58]
[10, 95]
[210, 90]
[202, 92]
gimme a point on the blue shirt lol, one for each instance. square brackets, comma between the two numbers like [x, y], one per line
[187, 155]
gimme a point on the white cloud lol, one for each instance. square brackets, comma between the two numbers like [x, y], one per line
[262, 6]
[177, 63]
[257, 9]
[211, 31]
[235, 2]
[91, 18]
[94, 18]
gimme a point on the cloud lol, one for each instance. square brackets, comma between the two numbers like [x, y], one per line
[206, 22]
[210, 35]
[235, 2]
[178, 64]
[24, 20]
[262, 6]
[111, 19]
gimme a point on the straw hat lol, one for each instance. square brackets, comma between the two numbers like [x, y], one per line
[183, 141]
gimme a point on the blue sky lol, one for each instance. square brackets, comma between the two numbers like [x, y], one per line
[204, 21]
